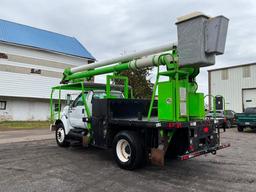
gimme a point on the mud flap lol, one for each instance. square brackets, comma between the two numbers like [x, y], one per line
[53, 127]
[85, 141]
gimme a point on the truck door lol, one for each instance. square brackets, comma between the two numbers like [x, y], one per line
[77, 113]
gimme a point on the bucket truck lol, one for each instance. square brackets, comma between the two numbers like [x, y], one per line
[141, 130]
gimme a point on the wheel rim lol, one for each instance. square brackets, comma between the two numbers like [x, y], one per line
[123, 150]
[60, 135]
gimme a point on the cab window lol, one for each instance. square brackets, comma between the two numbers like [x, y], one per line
[99, 95]
[102, 95]
[79, 101]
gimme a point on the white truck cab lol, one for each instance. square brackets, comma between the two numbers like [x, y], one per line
[73, 114]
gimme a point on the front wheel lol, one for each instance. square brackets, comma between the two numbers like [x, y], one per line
[61, 137]
[128, 150]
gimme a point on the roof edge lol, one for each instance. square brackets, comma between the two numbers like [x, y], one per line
[46, 50]
[231, 67]
[92, 57]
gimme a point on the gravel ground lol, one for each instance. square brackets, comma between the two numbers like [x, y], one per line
[42, 166]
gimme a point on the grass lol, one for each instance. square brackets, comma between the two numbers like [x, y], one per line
[18, 125]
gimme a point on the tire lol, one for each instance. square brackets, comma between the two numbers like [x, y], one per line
[60, 136]
[240, 129]
[228, 124]
[128, 150]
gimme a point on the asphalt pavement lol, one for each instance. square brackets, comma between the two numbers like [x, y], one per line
[39, 165]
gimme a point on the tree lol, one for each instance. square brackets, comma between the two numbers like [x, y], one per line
[142, 88]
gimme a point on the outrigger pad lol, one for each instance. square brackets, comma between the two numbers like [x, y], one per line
[157, 156]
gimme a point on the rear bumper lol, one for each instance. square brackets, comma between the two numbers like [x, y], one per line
[202, 152]
[246, 124]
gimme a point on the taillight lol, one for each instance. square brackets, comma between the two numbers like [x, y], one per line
[206, 129]
[185, 157]
[171, 125]
[191, 148]
[174, 125]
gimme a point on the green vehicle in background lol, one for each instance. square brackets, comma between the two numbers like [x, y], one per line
[246, 119]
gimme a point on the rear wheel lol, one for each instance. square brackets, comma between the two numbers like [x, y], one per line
[60, 136]
[240, 129]
[128, 150]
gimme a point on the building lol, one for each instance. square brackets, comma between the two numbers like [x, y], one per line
[237, 84]
[31, 62]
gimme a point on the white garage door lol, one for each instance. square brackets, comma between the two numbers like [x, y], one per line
[249, 98]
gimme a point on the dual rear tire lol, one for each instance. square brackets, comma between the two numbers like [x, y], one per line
[128, 150]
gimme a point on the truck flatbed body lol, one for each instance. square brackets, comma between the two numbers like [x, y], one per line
[144, 122]
[115, 114]
[133, 112]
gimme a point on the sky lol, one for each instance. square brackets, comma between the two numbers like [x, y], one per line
[108, 28]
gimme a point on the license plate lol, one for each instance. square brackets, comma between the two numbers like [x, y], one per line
[247, 123]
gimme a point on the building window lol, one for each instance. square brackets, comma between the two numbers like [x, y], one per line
[36, 71]
[246, 71]
[56, 107]
[224, 74]
[3, 56]
[2, 105]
